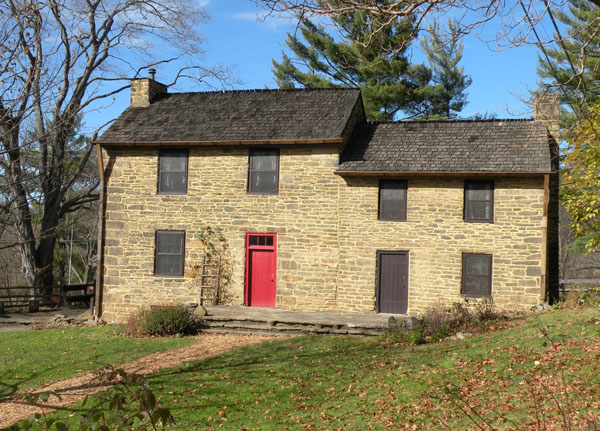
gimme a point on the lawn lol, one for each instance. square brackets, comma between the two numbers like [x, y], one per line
[31, 358]
[516, 378]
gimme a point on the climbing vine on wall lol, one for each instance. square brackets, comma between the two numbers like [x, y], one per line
[218, 261]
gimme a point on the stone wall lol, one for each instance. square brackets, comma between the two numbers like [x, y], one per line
[145, 91]
[435, 236]
[327, 232]
[303, 214]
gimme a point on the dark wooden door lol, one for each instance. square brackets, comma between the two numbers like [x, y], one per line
[392, 289]
[260, 270]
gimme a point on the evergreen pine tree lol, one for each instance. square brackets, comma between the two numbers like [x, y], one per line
[447, 96]
[582, 48]
[373, 60]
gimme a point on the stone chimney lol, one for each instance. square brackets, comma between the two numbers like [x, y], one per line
[144, 91]
[546, 111]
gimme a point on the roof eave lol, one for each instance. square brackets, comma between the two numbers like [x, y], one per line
[206, 143]
[480, 174]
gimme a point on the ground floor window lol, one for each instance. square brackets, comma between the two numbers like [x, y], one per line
[170, 250]
[477, 275]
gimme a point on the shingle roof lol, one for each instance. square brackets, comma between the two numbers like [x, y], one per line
[495, 146]
[230, 116]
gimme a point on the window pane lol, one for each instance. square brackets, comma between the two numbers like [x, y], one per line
[395, 192]
[263, 160]
[170, 242]
[173, 182]
[269, 240]
[479, 192]
[173, 161]
[168, 265]
[392, 209]
[477, 265]
[172, 171]
[263, 182]
[392, 200]
[478, 210]
[477, 286]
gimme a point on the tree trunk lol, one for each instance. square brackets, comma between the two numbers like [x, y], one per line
[23, 224]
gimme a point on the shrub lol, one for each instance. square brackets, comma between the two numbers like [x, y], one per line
[128, 405]
[439, 323]
[162, 321]
[132, 327]
[166, 321]
[580, 297]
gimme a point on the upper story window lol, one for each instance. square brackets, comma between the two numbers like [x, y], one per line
[263, 172]
[477, 275]
[479, 201]
[392, 200]
[172, 172]
[170, 250]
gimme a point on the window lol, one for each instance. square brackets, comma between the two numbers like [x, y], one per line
[477, 275]
[479, 201]
[172, 172]
[263, 172]
[264, 240]
[170, 247]
[392, 200]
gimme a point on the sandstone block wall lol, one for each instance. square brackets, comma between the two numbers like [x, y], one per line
[435, 236]
[303, 214]
[327, 232]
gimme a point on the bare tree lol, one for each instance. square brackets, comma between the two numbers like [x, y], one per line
[59, 59]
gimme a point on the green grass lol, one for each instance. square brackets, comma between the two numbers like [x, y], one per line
[329, 383]
[31, 358]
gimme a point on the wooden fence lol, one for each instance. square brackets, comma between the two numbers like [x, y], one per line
[578, 285]
[32, 298]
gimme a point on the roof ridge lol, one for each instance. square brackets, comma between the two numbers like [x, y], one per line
[266, 90]
[487, 120]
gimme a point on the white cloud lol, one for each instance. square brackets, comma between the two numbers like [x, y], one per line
[272, 22]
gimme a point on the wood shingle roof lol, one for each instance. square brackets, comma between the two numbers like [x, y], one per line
[237, 116]
[322, 116]
[489, 146]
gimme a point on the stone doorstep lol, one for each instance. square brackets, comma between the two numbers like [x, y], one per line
[291, 330]
[248, 319]
[283, 323]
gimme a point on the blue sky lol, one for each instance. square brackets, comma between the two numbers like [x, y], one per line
[236, 37]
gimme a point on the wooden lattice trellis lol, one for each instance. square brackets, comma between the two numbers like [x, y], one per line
[210, 281]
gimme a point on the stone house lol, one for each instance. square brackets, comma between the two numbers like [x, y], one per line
[320, 209]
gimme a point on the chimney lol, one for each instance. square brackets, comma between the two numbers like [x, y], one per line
[546, 111]
[144, 91]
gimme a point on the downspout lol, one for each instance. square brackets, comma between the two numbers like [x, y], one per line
[544, 257]
[100, 240]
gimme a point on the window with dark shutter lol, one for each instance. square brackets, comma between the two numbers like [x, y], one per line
[392, 200]
[263, 172]
[477, 275]
[479, 201]
[172, 172]
[170, 248]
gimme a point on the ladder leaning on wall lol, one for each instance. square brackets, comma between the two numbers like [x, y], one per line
[210, 280]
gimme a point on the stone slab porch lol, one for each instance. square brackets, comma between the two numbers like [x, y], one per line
[283, 322]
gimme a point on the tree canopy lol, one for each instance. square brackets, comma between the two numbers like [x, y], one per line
[572, 64]
[372, 59]
[447, 95]
[581, 184]
[57, 60]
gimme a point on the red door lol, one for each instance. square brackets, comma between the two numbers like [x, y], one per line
[261, 264]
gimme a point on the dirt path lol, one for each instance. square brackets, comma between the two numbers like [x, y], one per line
[75, 389]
